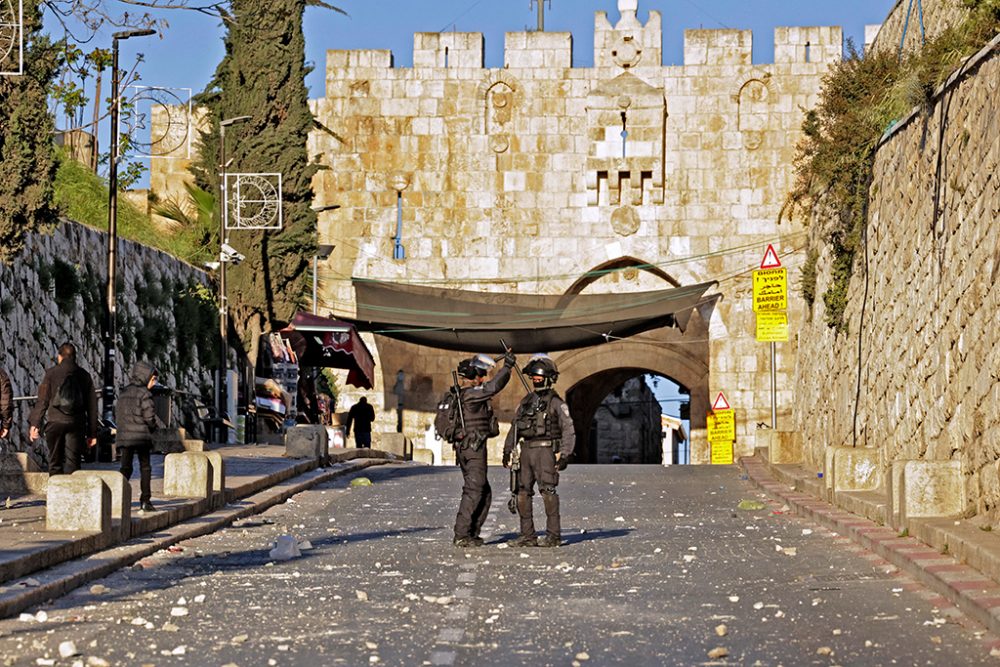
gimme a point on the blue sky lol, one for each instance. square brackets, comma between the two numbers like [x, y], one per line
[186, 54]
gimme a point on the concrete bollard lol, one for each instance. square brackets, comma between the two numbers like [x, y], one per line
[422, 455]
[218, 478]
[396, 444]
[78, 503]
[784, 447]
[187, 475]
[121, 500]
[306, 441]
[856, 469]
[925, 489]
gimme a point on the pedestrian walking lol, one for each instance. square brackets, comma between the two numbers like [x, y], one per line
[475, 424]
[6, 404]
[360, 416]
[135, 417]
[67, 404]
[542, 439]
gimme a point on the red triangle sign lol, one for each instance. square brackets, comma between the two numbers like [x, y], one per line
[770, 260]
[721, 403]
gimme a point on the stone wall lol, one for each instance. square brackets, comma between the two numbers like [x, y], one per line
[925, 337]
[517, 179]
[54, 292]
[937, 15]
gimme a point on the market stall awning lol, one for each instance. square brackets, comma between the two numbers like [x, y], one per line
[326, 343]
[476, 321]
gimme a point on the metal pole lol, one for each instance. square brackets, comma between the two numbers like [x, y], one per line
[541, 15]
[220, 373]
[108, 396]
[315, 269]
[774, 391]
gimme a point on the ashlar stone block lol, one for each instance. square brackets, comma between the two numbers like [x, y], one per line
[926, 489]
[78, 503]
[306, 441]
[187, 475]
[121, 499]
[856, 469]
[423, 455]
[784, 447]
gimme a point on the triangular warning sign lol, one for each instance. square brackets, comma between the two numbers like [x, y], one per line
[721, 403]
[770, 260]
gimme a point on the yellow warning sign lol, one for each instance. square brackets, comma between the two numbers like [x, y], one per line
[772, 326]
[770, 289]
[721, 426]
[722, 452]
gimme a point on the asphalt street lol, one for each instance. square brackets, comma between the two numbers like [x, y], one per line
[660, 566]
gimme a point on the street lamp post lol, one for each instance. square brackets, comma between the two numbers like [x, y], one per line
[110, 333]
[322, 252]
[220, 373]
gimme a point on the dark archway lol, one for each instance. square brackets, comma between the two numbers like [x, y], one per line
[621, 399]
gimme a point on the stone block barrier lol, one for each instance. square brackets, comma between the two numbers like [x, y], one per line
[856, 469]
[79, 504]
[423, 455]
[307, 441]
[396, 444]
[925, 490]
[188, 475]
[784, 447]
[121, 500]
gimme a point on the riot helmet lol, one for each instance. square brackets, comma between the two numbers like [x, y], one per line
[542, 371]
[475, 367]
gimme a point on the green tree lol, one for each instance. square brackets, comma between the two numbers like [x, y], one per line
[27, 154]
[263, 75]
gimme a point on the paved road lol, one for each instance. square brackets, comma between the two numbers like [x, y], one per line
[655, 561]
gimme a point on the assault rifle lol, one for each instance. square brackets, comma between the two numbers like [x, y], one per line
[515, 453]
[461, 413]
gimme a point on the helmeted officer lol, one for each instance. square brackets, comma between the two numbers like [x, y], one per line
[470, 444]
[544, 430]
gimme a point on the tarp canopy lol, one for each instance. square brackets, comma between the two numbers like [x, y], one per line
[463, 320]
[326, 343]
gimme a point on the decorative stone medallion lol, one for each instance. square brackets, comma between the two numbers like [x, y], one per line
[625, 221]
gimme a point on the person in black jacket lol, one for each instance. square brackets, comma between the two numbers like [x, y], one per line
[470, 447]
[136, 419]
[68, 403]
[6, 404]
[360, 416]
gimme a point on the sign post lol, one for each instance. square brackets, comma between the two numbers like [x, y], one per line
[770, 303]
[721, 422]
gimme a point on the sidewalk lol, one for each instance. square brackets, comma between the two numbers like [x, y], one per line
[36, 564]
[957, 559]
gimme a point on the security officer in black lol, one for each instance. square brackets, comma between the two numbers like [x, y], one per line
[544, 430]
[470, 446]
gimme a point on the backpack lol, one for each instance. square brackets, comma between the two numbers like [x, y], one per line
[68, 398]
[447, 422]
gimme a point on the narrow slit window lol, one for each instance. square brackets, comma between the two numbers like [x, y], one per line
[397, 249]
[808, 52]
[624, 134]
[446, 57]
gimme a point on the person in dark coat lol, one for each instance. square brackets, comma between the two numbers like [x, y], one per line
[6, 404]
[70, 413]
[360, 416]
[136, 419]
[476, 394]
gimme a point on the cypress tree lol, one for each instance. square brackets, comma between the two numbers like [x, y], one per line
[263, 75]
[27, 153]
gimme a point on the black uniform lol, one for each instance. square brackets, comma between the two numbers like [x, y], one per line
[542, 426]
[470, 453]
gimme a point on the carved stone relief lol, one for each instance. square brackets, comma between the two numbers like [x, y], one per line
[625, 221]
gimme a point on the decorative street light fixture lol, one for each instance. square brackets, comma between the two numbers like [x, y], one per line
[110, 333]
[226, 254]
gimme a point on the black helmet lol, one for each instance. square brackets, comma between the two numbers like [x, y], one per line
[475, 367]
[542, 365]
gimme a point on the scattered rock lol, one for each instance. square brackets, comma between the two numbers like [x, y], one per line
[582, 656]
[362, 596]
[239, 639]
[98, 589]
[718, 652]
[41, 616]
[285, 548]
[721, 630]
[170, 627]
[824, 650]
[67, 649]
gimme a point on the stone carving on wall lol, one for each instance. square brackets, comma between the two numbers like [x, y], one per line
[627, 53]
[753, 102]
[626, 119]
[499, 97]
[625, 221]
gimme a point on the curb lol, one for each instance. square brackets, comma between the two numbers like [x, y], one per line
[60, 579]
[975, 594]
